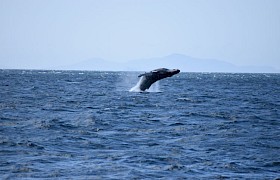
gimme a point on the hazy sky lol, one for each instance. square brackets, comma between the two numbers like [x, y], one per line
[48, 33]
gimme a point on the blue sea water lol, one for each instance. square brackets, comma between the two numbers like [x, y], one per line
[87, 125]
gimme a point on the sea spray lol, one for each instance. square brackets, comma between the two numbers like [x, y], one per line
[126, 80]
[136, 88]
[154, 88]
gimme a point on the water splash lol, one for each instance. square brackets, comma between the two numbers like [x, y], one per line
[136, 88]
[154, 88]
[126, 80]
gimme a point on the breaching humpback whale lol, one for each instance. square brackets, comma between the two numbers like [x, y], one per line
[151, 77]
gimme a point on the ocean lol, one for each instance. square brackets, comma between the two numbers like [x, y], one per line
[88, 125]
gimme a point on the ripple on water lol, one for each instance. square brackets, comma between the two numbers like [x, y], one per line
[87, 125]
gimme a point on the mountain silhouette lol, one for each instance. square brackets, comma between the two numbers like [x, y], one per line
[180, 61]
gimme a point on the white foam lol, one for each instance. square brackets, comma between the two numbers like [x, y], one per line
[126, 80]
[136, 88]
[154, 88]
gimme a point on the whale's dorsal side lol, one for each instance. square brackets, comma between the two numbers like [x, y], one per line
[151, 77]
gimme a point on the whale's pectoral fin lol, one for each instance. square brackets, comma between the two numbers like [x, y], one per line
[141, 75]
[145, 74]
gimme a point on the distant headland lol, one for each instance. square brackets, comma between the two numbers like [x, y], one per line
[185, 63]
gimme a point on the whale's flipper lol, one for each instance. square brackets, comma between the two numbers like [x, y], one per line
[142, 75]
[145, 74]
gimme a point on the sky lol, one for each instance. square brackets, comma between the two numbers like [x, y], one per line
[49, 33]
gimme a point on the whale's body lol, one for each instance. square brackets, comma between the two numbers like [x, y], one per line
[147, 79]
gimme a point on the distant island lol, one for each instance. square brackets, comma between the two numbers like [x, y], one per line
[180, 61]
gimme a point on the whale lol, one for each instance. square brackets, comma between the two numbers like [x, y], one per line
[147, 79]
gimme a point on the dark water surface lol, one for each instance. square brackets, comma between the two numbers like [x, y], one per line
[87, 125]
